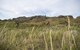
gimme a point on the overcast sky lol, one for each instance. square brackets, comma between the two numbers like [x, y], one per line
[15, 8]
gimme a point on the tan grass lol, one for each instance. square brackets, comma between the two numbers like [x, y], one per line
[68, 35]
[31, 38]
[45, 40]
[51, 43]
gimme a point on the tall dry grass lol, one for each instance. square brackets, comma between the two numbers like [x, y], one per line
[68, 39]
[38, 38]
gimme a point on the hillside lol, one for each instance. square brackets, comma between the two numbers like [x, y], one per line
[45, 20]
[40, 33]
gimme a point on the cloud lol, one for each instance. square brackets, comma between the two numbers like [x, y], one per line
[15, 8]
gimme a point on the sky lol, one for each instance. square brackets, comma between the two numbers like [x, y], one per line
[16, 8]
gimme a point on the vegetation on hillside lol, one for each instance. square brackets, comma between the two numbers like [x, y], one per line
[40, 33]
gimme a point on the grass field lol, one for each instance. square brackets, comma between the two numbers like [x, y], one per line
[45, 37]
